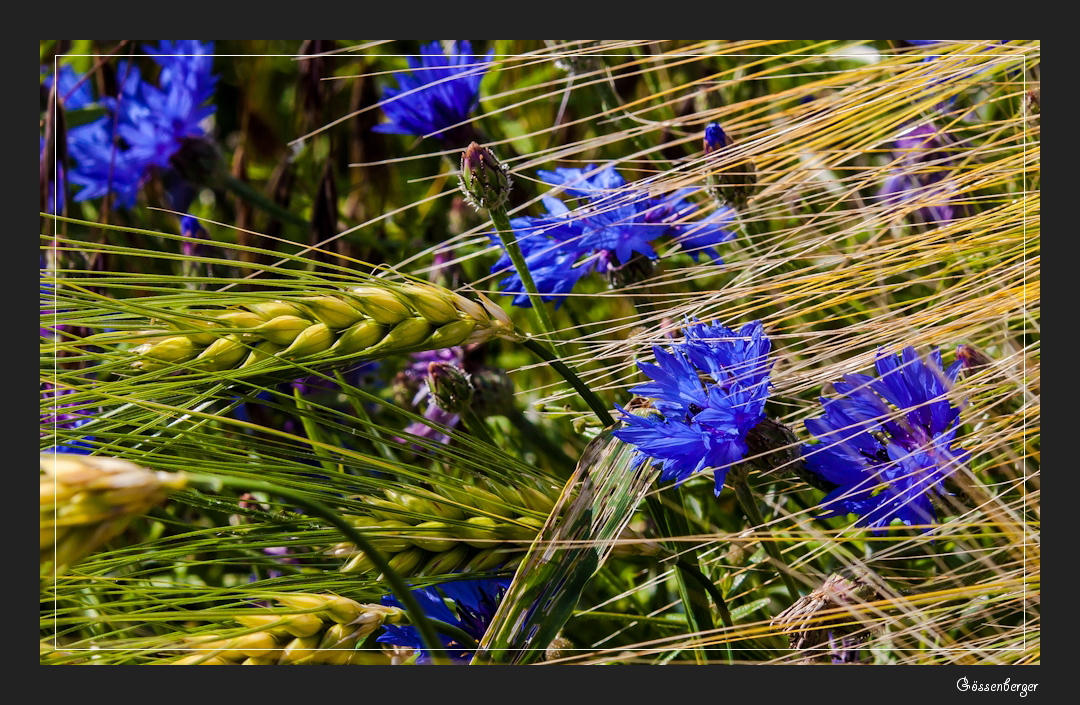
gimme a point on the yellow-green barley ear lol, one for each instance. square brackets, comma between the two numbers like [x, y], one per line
[425, 535]
[446, 561]
[380, 304]
[282, 330]
[222, 354]
[157, 356]
[359, 337]
[88, 500]
[269, 310]
[451, 334]
[406, 562]
[263, 351]
[332, 311]
[432, 303]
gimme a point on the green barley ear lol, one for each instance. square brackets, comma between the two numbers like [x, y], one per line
[362, 322]
[325, 630]
[87, 500]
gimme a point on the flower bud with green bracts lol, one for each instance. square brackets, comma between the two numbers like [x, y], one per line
[450, 387]
[733, 183]
[484, 181]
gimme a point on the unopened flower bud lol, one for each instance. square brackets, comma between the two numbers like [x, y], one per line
[715, 137]
[735, 183]
[971, 358]
[450, 387]
[484, 181]
[558, 648]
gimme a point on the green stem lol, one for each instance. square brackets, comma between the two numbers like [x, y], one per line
[695, 603]
[401, 589]
[587, 394]
[506, 236]
[718, 598]
[741, 483]
[311, 431]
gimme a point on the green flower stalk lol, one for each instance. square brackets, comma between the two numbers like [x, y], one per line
[88, 500]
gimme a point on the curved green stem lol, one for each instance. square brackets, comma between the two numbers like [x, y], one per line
[694, 572]
[587, 394]
[401, 589]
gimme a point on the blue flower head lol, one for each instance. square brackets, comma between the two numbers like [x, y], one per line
[474, 605]
[611, 226]
[710, 390]
[887, 443]
[715, 137]
[73, 92]
[146, 124]
[440, 91]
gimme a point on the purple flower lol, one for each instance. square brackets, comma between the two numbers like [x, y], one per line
[711, 391]
[612, 224]
[474, 605]
[924, 160]
[887, 443]
[440, 91]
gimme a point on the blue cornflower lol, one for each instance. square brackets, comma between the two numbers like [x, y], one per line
[440, 91]
[605, 232]
[887, 443]
[72, 94]
[924, 160]
[146, 125]
[711, 390]
[715, 137]
[475, 602]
